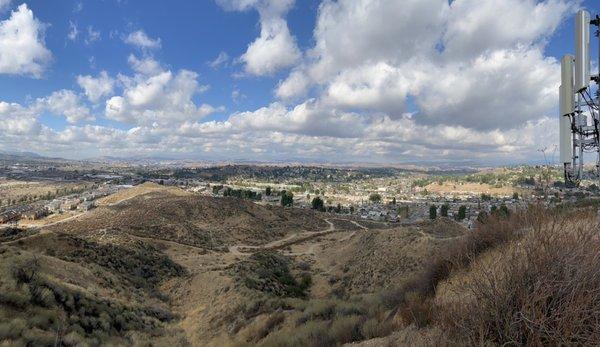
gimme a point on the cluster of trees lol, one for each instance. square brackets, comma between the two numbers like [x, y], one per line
[237, 193]
[462, 212]
[242, 194]
[318, 204]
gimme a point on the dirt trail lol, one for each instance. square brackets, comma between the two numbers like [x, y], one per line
[299, 237]
[283, 242]
[235, 249]
[432, 237]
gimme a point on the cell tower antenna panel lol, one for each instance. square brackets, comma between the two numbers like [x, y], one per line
[579, 115]
[565, 138]
[582, 50]
[566, 109]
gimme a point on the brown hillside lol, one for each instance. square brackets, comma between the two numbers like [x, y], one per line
[386, 257]
[201, 221]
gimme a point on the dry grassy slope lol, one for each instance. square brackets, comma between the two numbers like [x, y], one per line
[531, 279]
[138, 190]
[124, 267]
[76, 301]
[386, 257]
[167, 213]
[109, 253]
[442, 228]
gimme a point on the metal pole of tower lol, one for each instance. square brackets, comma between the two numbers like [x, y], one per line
[596, 22]
[574, 164]
[578, 115]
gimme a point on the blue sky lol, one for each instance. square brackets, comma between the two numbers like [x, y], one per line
[192, 34]
[290, 64]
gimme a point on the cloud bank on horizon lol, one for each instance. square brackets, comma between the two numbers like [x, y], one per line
[374, 80]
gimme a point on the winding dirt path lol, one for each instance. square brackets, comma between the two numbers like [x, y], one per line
[235, 249]
[433, 237]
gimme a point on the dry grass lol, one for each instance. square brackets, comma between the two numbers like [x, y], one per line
[142, 189]
[544, 290]
[531, 279]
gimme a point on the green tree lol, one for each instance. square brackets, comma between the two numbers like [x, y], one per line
[318, 204]
[287, 198]
[462, 213]
[394, 201]
[375, 198]
[268, 191]
[432, 212]
[516, 196]
[444, 210]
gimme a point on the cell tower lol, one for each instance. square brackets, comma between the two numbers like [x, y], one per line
[579, 109]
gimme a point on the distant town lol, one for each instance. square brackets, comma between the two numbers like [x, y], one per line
[38, 191]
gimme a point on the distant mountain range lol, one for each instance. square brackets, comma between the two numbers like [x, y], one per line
[19, 154]
[171, 161]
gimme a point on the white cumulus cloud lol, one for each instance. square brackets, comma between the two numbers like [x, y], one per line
[157, 95]
[22, 47]
[66, 103]
[96, 87]
[275, 48]
[141, 40]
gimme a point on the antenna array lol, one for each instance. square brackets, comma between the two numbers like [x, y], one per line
[579, 117]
